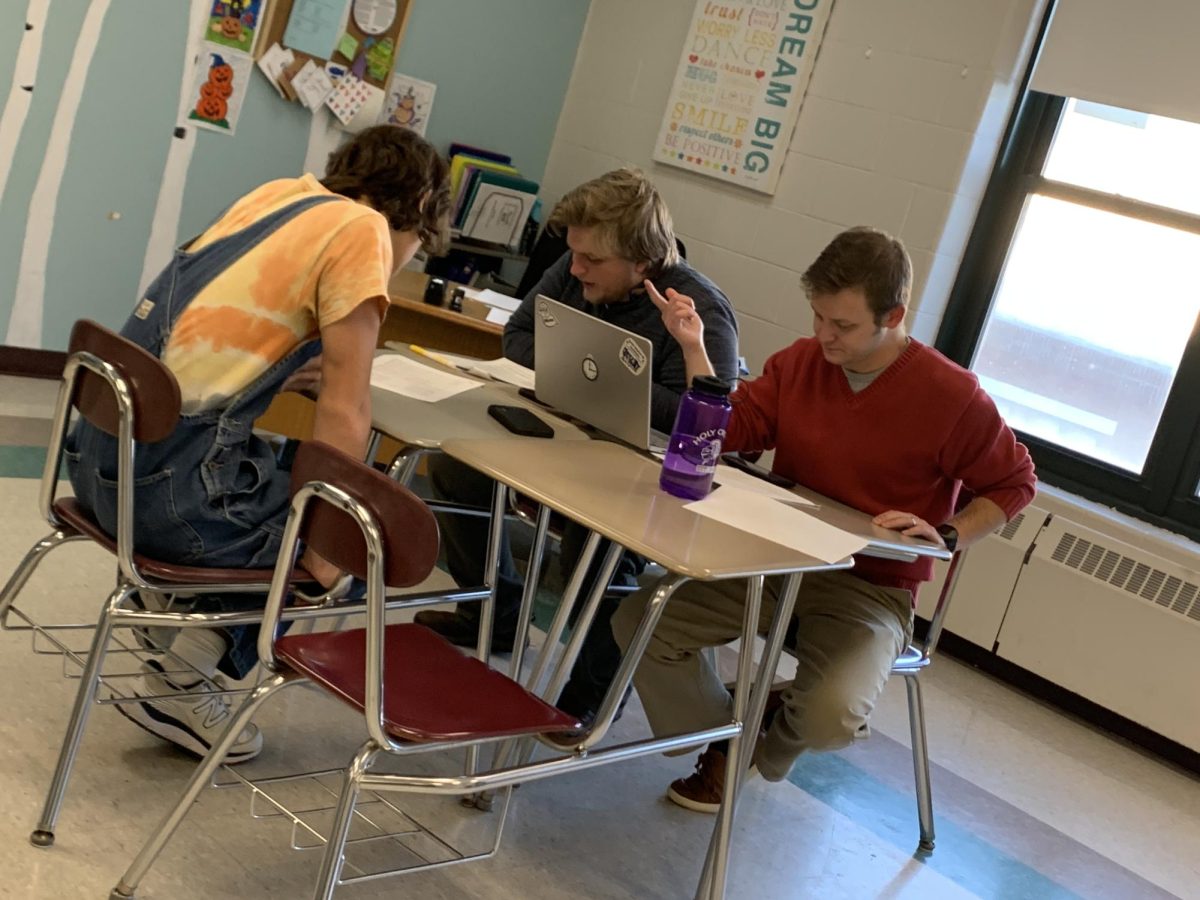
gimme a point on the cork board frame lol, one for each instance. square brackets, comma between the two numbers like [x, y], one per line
[279, 11]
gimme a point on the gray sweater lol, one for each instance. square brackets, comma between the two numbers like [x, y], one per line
[638, 314]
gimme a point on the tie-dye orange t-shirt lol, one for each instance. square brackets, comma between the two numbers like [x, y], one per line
[310, 272]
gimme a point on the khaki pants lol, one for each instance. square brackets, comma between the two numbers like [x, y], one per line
[848, 633]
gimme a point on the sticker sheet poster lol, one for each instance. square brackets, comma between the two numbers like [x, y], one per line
[741, 80]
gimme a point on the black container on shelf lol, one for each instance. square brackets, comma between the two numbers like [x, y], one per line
[435, 292]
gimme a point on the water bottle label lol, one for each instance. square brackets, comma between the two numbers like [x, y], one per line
[707, 449]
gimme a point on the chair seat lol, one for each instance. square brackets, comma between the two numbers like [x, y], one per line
[432, 691]
[71, 513]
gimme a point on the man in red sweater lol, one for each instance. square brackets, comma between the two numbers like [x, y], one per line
[866, 415]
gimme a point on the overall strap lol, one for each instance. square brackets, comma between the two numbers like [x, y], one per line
[190, 272]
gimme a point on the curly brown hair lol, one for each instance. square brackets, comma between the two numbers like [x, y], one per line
[392, 168]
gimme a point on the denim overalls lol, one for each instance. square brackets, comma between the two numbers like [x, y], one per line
[212, 493]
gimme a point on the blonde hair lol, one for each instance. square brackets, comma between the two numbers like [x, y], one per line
[628, 214]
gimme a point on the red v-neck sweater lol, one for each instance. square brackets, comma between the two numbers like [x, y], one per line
[920, 431]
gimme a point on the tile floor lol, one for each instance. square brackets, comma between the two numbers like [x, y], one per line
[1029, 803]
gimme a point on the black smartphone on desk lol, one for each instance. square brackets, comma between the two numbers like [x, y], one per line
[520, 420]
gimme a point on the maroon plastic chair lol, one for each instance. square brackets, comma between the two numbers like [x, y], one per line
[416, 691]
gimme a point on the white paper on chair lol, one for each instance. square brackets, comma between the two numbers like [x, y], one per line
[407, 377]
[769, 519]
[735, 478]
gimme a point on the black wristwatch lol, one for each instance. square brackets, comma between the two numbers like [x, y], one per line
[949, 535]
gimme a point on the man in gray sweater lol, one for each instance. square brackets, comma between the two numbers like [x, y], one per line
[619, 234]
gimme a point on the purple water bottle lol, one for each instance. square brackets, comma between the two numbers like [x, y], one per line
[696, 439]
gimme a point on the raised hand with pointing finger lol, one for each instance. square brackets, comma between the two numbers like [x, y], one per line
[685, 325]
[679, 315]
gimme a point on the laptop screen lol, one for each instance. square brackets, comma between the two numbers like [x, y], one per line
[592, 370]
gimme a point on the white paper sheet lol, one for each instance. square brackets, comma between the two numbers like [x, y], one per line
[498, 316]
[405, 376]
[499, 369]
[731, 477]
[494, 299]
[760, 515]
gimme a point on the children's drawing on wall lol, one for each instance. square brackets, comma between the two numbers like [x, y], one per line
[234, 23]
[409, 102]
[219, 87]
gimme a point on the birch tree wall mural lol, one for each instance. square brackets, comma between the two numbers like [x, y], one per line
[25, 320]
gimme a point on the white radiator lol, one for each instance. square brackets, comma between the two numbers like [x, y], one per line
[985, 585]
[1113, 621]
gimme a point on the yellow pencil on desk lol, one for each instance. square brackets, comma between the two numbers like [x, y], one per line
[436, 357]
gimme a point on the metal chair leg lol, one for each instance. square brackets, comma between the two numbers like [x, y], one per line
[200, 778]
[43, 835]
[30, 562]
[920, 748]
[331, 863]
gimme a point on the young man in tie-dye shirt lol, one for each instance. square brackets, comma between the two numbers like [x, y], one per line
[286, 290]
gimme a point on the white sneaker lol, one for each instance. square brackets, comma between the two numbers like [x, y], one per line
[194, 722]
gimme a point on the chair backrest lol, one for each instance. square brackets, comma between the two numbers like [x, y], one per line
[152, 387]
[101, 367]
[408, 528]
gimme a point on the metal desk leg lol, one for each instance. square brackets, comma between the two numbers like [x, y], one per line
[529, 594]
[504, 751]
[663, 592]
[524, 748]
[741, 752]
[487, 607]
[373, 446]
[404, 465]
[562, 615]
[562, 671]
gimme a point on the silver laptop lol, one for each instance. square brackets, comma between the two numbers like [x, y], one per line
[592, 370]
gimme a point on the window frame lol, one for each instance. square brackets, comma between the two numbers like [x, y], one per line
[1164, 493]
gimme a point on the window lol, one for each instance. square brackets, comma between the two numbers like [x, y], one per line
[1078, 299]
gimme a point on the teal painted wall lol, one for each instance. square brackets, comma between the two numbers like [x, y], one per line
[501, 69]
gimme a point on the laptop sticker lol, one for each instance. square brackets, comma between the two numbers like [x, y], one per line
[591, 371]
[632, 356]
[548, 318]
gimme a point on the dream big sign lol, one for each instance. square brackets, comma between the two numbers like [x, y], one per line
[741, 79]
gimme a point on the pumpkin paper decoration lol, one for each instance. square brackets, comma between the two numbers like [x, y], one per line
[234, 23]
[220, 84]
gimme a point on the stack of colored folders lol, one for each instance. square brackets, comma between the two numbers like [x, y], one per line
[491, 200]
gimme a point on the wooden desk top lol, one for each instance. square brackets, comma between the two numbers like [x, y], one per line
[463, 416]
[614, 490]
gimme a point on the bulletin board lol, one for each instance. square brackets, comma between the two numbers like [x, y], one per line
[314, 18]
